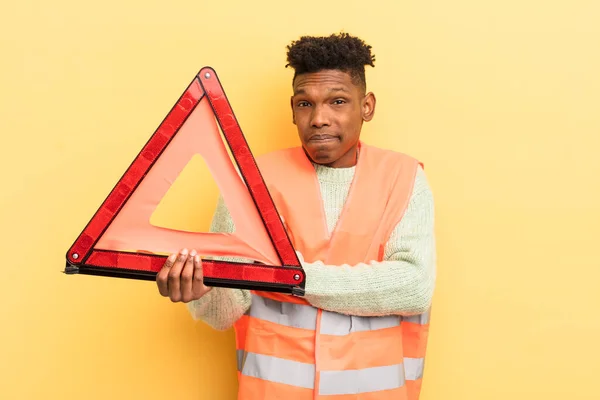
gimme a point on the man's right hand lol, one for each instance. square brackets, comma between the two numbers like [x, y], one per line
[181, 277]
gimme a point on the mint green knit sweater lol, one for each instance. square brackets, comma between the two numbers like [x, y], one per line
[401, 284]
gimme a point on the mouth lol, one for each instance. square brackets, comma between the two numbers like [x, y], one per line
[321, 138]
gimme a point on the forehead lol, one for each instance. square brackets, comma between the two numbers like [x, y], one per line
[324, 81]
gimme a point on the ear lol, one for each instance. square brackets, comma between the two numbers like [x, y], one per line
[292, 106]
[368, 107]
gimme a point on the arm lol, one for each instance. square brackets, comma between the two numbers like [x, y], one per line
[221, 307]
[402, 284]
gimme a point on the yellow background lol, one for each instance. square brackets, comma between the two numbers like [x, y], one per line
[501, 101]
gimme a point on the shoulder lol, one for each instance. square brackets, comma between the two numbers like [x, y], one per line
[277, 166]
[421, 187]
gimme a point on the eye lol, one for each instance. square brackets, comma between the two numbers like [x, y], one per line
[303, 104]
[339, 101]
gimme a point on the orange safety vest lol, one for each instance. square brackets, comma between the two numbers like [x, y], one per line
[290, 350]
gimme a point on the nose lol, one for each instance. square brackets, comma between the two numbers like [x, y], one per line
[319, 117]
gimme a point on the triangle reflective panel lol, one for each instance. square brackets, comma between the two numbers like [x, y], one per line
[120, 241]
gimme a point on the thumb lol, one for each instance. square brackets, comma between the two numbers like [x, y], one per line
[198, 286]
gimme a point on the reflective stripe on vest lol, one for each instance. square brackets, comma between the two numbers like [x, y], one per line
[302, 375]
[332, 382]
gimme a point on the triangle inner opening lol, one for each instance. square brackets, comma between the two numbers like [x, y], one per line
[190, 202]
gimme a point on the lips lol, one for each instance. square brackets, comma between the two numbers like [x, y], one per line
[322, 138]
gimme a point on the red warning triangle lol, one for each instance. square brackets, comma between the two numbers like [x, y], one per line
[119, 240]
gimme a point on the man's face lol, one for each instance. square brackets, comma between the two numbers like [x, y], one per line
[329, 110]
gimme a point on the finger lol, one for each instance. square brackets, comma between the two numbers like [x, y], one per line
[175, 276]
[186, 278]
[161, 278]
[198, 284]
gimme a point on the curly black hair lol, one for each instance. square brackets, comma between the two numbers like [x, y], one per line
[338, 51]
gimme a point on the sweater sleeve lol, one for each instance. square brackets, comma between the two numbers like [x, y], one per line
[401, 284]
[221, 307]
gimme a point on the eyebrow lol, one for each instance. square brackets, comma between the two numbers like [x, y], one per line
[338, 89]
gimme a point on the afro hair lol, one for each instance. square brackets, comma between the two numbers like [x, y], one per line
[335, 52]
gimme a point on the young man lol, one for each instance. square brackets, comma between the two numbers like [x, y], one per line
[361, 219]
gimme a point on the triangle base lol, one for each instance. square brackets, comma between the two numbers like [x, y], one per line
[266, 278]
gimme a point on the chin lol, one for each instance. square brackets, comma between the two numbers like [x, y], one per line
[323, 158]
